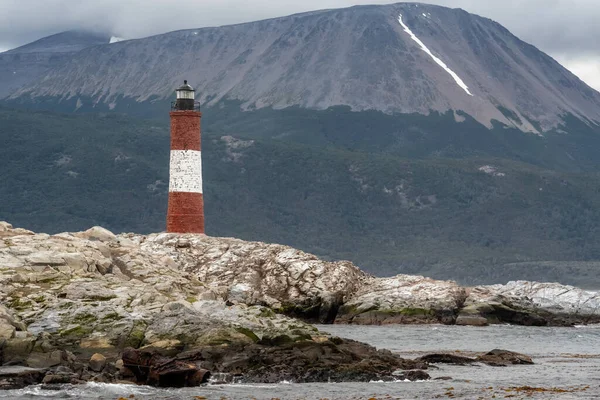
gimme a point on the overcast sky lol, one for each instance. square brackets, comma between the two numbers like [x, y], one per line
[566, 29]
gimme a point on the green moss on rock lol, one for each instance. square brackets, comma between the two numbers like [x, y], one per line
[76, 331]
[112, 317]
[249, 333]
[137, 335]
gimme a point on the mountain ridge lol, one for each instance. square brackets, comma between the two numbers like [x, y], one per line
[62, 42]
[359, 56]
[27, 63]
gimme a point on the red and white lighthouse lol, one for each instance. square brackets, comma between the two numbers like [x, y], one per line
[186, 203]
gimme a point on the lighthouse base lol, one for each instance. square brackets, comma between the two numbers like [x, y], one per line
[185, 213]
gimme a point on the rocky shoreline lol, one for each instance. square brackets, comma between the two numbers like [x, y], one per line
[170, 310]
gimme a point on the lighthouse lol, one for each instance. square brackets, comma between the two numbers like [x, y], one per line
[186, 203]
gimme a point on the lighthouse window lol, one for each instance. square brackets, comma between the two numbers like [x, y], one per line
[184, 94]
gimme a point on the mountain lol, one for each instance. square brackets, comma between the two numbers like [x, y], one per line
[475, 219]
[400, 58]
[435, 144]
[27, 63]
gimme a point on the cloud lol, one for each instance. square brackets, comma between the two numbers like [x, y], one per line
[556, 26]
[587, 68]
[565, 28]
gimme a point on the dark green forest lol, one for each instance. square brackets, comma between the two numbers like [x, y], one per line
[393, 193]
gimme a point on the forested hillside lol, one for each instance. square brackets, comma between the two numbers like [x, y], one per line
[462, 217]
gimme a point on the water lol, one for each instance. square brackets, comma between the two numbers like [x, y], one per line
[567, 367]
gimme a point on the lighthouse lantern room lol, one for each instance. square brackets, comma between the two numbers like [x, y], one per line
[185, 97]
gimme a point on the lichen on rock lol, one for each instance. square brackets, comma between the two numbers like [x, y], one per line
[95, 292]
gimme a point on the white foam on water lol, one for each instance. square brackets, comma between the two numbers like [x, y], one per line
[442, 64]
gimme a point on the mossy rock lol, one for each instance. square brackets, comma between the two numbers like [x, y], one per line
[249, 333]
[266, 313]
[84, 319]
[299, 335]
[277, 340]
[415, 312]
[112, 317]
[101, 298]
[219, 337]
[307, 311]
[20, 304]
[77, 332]
[137, 335]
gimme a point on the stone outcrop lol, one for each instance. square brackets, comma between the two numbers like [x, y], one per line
[254, 273]
[416, 299]
[403, 299]
[494, 358]
[72, 303]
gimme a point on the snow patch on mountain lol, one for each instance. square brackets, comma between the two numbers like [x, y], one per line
[115, 39]
[442, 64]
[491, 170]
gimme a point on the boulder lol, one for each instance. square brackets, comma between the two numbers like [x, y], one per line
[414, 375]
[151, 368]
[223, 305]
[97, 362]
[7, 331]
[502, 358]
[97, 233]
[471, 320]
[15, 377]
[46, 360]
[403, 299]
[7, 230]
[56, 378]
[445, 358]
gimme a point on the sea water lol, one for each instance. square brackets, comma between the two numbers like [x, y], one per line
[567, 366]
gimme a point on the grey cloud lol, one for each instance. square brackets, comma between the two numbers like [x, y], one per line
[555, 26]
[559, 26]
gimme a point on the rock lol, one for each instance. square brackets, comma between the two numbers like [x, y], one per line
[97, 233]
[151, 368]
[492, 358]
[45, 258]
[17, 350]
[7, 230]
[46, 360]
[58, 378]
[403, 299]
[7, 331]
[414, 375]
[303, 361]
[471, 320]
[199, 377]
[445, 358]
[9, 324]
[5, 226]
[228, 302]
[502, 358]
[97, 362]
[15, 377]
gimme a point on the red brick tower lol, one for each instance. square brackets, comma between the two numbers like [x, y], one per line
[186, 204]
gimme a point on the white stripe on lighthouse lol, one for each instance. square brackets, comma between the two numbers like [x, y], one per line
[186, 171]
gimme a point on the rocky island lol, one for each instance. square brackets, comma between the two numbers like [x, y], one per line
[170, 310]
